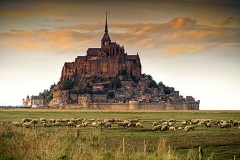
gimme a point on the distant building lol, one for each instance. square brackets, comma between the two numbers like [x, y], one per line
[34, 102]
[106, 61]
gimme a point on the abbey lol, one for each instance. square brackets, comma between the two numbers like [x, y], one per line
[106, 61]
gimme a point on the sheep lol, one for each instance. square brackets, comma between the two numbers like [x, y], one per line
[164, 127]
[180, 128]
[184, 123]
[188, 128]
[138, 124]
[71, 124]
[95, 124]
[155, 124]
[134, 120]
[172, 128]
[47, 124]
[26, 119]
[73, 120]
[43, 120]
[27, 125]
[122, 124]
[132, 124]
[35, 120]
[84, 124]
[235, 123]
[194, 121]
[157, 127]
[57, 124]
[52, 120]
[239, 127]
[108, 124]
[225, 125]
[208, 124]
[172, 120]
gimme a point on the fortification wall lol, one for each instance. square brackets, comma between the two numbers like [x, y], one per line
[135, 105]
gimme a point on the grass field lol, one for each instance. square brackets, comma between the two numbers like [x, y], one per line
[107, 143]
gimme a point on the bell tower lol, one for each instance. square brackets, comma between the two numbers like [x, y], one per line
[106, 41]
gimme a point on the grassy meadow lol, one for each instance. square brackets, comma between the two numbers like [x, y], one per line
[117, 142]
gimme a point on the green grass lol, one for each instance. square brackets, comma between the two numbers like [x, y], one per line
[217, 143]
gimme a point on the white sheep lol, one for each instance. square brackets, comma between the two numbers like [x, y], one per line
[57, 124]
[157, 127]
[138, 124]
[47, 124]
[172, 128]
[71, 124]
[108, 124]
[189, 128]
[164, 127]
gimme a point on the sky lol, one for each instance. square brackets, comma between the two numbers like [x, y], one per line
[193, 46]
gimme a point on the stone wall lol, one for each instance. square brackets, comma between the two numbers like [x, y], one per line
[134, 105]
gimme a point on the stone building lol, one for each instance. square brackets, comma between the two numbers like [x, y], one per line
[105, 61]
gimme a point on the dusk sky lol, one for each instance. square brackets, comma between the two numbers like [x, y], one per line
[193, 46]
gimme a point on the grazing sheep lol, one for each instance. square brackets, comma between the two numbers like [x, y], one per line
[235, 123]
[172, 120]
[225, 125]
[108, 124]
[132, 124]
[194, 121]
[42, 120]
[184, 123]
[57, 124]
[27, 125]
[73, 120]
[52, 120]
[122, 124]
[71, 124]
[208, 124]
[155, 124]
[84, 124]
[157, 127]
[47, 124]
[172, 128]
[95, 124]
[26, 119]
[134, 120]
[189, 128]
[35, 120]
[138, 124]
[164, 128]
[180, 128]
[164, 123]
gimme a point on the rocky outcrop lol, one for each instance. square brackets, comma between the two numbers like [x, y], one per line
[60, 99]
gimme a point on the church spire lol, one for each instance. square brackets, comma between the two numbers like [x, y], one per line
[106, 26]
[106, 41]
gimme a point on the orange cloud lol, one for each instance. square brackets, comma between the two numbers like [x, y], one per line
[181, 22]
[184, 49]
[183, 33]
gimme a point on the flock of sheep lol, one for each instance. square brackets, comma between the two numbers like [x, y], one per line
[161, 125]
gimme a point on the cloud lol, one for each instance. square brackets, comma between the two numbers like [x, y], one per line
[184, 49]
[181, 35]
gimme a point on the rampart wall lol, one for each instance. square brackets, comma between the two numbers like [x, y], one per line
[134, 105]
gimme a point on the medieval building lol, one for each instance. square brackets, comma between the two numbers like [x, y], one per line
[106, 61]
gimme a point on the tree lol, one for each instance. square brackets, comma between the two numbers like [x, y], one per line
[110, 94]
[66, 84]
[52, 86]
[152, 84]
